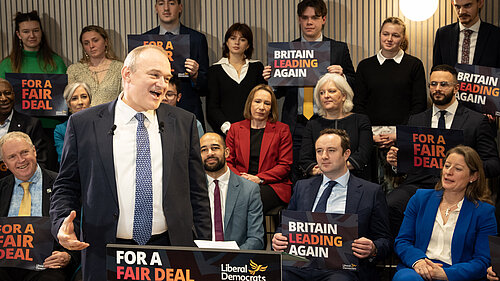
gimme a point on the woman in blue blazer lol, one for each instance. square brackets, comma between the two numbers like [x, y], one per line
[444, 235]
[78, 97]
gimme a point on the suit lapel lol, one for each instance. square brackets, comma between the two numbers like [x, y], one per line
[267, 139]
[312, 191]
[233, 191]
[104, 143]
[428, 221]
[354, 193]
[47, 183]
[481, 42]
[459, 118]
[167, 121]
[459, 235]
[244, 137]
[6, 195]
[454, 44]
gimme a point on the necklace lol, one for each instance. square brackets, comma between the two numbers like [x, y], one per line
[447, 212]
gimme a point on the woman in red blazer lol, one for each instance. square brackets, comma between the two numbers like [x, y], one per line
[261, 148]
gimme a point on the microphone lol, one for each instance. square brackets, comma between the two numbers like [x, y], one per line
[112, 130]
[161, 125]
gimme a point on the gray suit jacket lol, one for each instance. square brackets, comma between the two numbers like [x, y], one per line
[243, 214]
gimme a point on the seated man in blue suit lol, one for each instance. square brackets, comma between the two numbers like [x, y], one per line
[239, 215]
[347, 195]
[169, 13]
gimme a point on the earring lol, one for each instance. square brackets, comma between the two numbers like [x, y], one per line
[86, 55]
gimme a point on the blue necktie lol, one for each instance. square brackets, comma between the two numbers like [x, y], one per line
[143, 212]
[321, 206]
[442, 121]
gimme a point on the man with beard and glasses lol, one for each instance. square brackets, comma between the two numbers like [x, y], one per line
[443, 86]
[468, 41]
[235, 204]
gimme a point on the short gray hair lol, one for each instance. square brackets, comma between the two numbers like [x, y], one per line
[341, 84]
[14, 135]
[71, 88]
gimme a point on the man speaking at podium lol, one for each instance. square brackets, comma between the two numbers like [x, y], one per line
[133, 168]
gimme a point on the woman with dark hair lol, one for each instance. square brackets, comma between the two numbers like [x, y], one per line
[231, 78]
[390, 86]
[30, 51]
[78, 97]
[445, 231]
[261, 148]
[333, 95]
[99, 67]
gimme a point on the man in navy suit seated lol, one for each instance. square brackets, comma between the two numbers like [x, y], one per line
[337, 191]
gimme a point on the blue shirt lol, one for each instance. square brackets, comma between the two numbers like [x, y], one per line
[36, 195]
[337, 200]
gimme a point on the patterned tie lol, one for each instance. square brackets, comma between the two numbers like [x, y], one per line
[466, 46]
[25, 208]
[442, 121]
[308, 106]
[219, 230]
[143, 212]
[321, 206]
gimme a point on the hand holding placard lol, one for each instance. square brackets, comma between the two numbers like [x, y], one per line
[280, 242]
[57, 260]
[67, 237]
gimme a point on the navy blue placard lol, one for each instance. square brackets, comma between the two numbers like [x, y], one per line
[421, 148]
[297, 63]
[479, 88]
[323, 238]
[26, 242]
[39, 94]
[176, 46]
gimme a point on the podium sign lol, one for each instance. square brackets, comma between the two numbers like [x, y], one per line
[130, 262]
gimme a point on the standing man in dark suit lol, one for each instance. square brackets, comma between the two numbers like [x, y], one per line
[443, 86]
[134, 168]
[468, 41]
[298, 106]
[238, 216]
[11, 121]
[169, 13]
[337, 191]
[27, 193]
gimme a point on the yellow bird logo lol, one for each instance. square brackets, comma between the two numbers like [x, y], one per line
[256, 268]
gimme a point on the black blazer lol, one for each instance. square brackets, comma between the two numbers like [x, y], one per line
[191, 92]
[487, 51]
[477, 134]
[339, 55]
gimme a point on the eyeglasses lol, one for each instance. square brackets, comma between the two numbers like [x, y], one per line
[443, 84]
[6, 93]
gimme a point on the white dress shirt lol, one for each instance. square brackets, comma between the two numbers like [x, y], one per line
[397, 58]
[473, 40]
[4, 128]
[448, 117]
[124, 156]
[223, 186]
[337, 200]
[175, 31]
[439, 247]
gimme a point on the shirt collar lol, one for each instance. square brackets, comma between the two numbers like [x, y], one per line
[398, 58]
[124, 113]
[342, 180]
[223, 178]
[319, 39]
[34, 178]
[450, 109]
[474, 27]
[8, 119]
[175, 30]
[225, 61]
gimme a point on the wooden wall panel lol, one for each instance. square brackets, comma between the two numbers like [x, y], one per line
[356, 22]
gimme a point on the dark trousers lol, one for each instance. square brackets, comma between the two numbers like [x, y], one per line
[396, 202]
[292, 273]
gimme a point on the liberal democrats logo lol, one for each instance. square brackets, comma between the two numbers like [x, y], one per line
[243, 273]
[256, 267]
